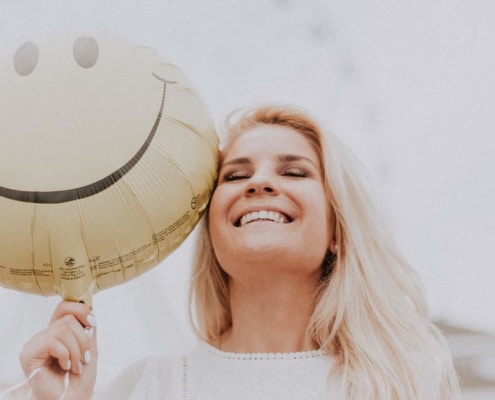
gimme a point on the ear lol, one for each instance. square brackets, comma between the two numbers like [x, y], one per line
[333, 247]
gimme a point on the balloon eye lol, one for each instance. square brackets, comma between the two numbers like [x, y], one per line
[86, 52]
[26, 58]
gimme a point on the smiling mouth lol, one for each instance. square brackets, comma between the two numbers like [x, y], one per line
[63, 196]
[263, 215]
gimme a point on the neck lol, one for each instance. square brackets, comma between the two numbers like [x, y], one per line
[270, 316]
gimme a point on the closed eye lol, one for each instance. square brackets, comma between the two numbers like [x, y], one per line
[295, 172]
[235, 176]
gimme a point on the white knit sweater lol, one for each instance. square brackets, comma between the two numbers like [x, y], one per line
[210, 374]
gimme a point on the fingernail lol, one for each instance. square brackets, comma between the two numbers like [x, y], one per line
[68, 365]
[87, 357]
[79, 367]
[90, 332]
[91, 320]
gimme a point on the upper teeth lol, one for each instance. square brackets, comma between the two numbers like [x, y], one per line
[266, 215]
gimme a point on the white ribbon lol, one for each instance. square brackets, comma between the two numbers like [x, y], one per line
[31, 375]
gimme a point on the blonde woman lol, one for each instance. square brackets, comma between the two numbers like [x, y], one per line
[297, 290]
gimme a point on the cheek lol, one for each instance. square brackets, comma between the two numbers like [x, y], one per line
[217, 215]
[213, 218]
[321, 219]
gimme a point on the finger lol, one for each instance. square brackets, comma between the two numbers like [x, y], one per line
[79, 310]
[65, 339]
[93, 343]
[59, 351]
[44, 347]
[76, 338]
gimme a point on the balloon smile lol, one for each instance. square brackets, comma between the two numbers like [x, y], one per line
[63, 196]
[108, 158]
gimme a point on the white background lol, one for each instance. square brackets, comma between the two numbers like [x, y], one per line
[409, 86]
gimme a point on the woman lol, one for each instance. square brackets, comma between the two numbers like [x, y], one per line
[297, 291]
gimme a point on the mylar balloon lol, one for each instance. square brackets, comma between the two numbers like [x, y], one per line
[107, 161]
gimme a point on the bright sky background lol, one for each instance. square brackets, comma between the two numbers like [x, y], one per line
[409, 86]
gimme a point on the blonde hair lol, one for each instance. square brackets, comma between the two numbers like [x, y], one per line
[370, 311]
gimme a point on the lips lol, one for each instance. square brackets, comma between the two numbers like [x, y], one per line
[263, 215]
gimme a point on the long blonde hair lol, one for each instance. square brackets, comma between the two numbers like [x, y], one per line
[370, 311]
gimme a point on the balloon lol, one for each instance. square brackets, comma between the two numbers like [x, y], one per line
[108, 158]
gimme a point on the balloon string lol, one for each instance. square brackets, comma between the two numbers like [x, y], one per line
[20, 384]
[66, 385]
[31, 376]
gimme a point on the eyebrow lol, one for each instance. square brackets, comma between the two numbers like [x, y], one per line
[237, 161]
[295, 157]
[281, 158]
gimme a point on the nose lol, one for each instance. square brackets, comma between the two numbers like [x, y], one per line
[261, 184]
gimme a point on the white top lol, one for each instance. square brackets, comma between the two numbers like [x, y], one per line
[210, 374]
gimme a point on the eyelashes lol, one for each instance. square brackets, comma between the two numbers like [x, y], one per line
[296, 172]
[235, 176]
[292, 172]
[85, 52]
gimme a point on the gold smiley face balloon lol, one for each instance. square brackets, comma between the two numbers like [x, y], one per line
[107, 161]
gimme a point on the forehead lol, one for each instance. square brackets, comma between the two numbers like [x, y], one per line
[270, 139]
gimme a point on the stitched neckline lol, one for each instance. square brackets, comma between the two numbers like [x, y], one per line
[300, 355]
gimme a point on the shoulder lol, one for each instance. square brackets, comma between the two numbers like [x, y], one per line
[148, 378]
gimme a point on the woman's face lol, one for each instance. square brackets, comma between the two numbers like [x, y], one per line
[269, 212]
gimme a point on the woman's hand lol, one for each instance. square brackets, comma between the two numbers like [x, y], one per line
[67, 344]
